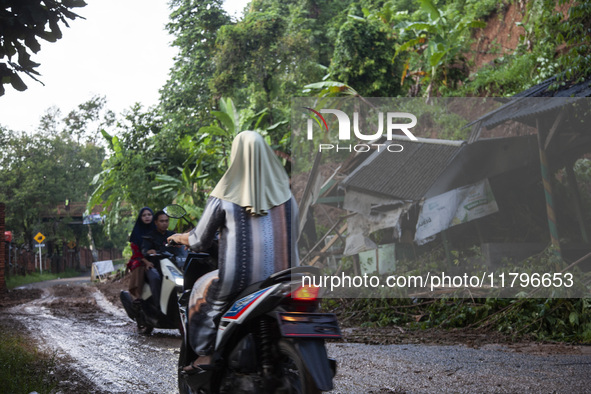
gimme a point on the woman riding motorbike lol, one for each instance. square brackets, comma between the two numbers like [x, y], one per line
[255, 214]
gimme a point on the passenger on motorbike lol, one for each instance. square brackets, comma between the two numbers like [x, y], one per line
[256, 215]
[144, 225]
[155, 243]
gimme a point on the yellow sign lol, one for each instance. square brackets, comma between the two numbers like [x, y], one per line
[71, 244]
[39, 237]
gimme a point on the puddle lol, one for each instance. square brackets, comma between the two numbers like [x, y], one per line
[102, 342]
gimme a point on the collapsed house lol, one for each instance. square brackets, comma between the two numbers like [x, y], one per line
[437, 186]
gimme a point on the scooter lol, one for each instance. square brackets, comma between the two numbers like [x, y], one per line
[269, 340]
[166, 315]
[144, 311]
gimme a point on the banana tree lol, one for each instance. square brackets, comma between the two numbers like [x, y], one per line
[208, 157]
[435, 45]
[126, 181]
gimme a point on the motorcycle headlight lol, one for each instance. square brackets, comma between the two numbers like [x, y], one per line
[177, 276]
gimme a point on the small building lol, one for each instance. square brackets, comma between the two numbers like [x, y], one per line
[467, 192]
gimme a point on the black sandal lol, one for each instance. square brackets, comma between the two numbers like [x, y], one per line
[193, 368]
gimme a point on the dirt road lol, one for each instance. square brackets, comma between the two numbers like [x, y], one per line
[82, 325]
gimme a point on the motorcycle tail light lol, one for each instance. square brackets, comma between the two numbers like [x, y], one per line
[306, 293]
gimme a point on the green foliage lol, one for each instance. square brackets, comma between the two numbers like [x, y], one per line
[85, 122]
[433, 41]
[582, 171]
[39, 172]
[566, 34]
[555, 319]
[363, 58]
[554, 43]
[23, 369]
[20, 280]
[545, 319]
[330, 89]
[509, 75]
[138, 153]
[263, 60]
[186, 96]
[437, 41]
[478, 8]
[22, 22]
[198, 174]
[260, 61]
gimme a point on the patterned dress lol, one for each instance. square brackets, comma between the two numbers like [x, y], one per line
[251, 248]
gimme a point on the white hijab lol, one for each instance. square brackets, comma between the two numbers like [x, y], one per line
[255, 180]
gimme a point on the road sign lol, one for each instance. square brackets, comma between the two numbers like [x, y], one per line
[39, 237]
[71, 244]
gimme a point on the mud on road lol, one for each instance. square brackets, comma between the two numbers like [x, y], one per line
[85, 326]
[79, 325]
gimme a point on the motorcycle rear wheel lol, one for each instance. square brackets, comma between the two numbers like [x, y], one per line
[295, 378]
[184, 387]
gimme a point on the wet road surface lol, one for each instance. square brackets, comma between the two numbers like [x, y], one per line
[78, 322]
[457, 369]
[103, 343]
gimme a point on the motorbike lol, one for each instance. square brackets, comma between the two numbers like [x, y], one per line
[166, 315]
[269, 340]
[144, 311]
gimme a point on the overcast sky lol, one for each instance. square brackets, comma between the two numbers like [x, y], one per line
[121, 51]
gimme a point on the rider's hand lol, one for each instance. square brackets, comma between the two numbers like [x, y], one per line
[181, 239]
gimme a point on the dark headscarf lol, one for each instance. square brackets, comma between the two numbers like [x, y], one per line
[140, 229]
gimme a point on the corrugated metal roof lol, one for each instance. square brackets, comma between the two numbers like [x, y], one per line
[407, 175]
[536, 100]
[539, 90]
[526, 107]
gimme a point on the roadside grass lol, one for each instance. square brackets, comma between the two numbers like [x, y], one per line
[21, 280]
[23, 368]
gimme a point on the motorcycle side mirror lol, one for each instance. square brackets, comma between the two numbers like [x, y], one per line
[175, 211]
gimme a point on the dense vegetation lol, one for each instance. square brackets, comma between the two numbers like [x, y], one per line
[236, 75]
[543, 319]
[42, 170]
[231, 75]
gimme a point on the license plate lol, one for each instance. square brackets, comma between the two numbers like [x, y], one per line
[308, 325]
